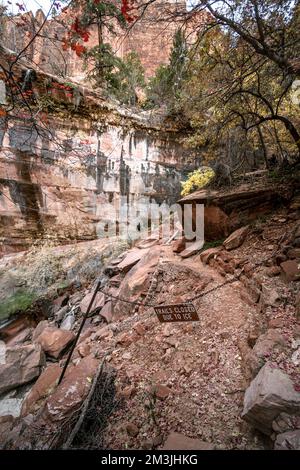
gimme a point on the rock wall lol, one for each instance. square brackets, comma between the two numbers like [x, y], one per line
[64, 184]
[151, 37]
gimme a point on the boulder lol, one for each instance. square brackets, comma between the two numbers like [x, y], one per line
[23, 364]
[49, 428]
[289, 440]
[107, 311]
[263, 348]
[21, 338]
[209, 254]
[269, 394]
[98, 303]
[137, 282]
[55, 341]
[285, 422]
[39, 329]
[68, 321]
[270, 297]
[131, 259]
[148, 243]
[290, 270]
[132, 429]
[42, 388]
[192, 248]
[236, 239]
[60, 315]
[294, 253]
[176, 441]
[60, 302]
[179, 245]
[10, 407]
[161, 391]
[69, 395]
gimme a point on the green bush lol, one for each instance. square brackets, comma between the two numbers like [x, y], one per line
[198, 179]
[17, 302]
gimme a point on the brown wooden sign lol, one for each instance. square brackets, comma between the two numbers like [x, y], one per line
[176, 312]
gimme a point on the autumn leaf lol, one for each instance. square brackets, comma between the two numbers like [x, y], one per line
[79, 49]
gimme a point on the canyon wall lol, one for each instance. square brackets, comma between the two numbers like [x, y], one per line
[66, 182]
[151, 37]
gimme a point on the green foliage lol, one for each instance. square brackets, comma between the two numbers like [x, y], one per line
[100, 60]
[212, 244]
[165, 86]
[18, 302]
[130, 77]
[198, 179]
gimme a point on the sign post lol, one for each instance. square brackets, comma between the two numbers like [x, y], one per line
[176, 312]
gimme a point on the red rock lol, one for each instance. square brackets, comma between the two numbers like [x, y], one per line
[21, 338]
[179, 245]
[23, 364]
[132, 429]
[131, 259]
[54, 341]
[42, 388]
[137, 281]
[126, 339]
[276, 323]
[290, 270]
[289, 440]
[216, 223]
[86, 334]
[84, 349]
[39, 329]
[236, 239]
[176, 441]
[107, 311]
[60, 302]
[294, 253]
[210, 253]
[273, 271]
[69, 395]
[127, 392]
[140, 329]
[102, 333]
[269, 394]
[97, 304]
[192, 249]
[161, 391]
[148, 243]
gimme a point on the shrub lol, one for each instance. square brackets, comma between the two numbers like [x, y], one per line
[17, 302]
[198, 179]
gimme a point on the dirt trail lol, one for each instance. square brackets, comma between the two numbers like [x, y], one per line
[199, 362]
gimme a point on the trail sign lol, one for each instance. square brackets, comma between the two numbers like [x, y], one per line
[176, 312]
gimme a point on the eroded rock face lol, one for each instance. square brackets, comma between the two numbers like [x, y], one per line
[269, 394]
[54, 341]
[22, 365]
[228, 210]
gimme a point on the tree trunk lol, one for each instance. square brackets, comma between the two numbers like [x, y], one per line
[261, 138]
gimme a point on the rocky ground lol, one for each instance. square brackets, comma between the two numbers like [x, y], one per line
[229, 381]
